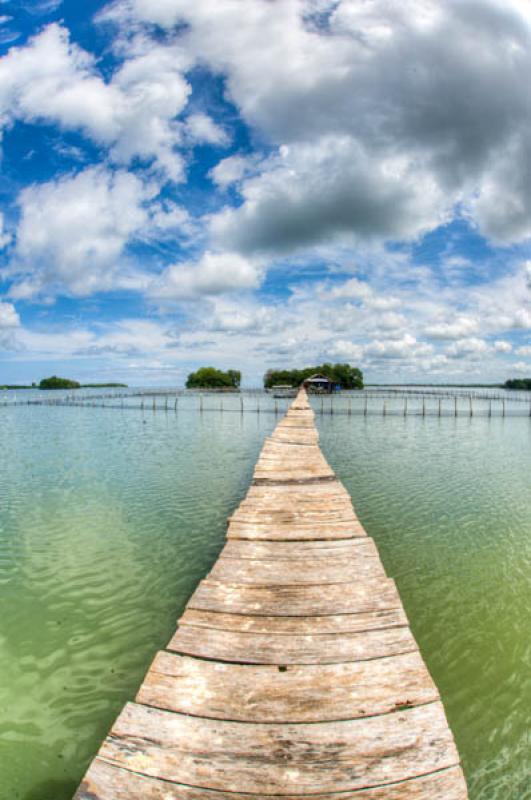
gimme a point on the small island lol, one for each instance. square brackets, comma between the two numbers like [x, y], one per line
[58, 383]
[216, 379]
[343, 375]
[54, 382]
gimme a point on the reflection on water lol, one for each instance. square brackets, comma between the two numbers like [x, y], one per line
[108, 519]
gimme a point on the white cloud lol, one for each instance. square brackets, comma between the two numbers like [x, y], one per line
[406, 347]
[384, 105]
[331, 188]
[8, 316]
[471, 347]
[343, 350]
[73, 232]
[525, 350]
[522, 367]
[214, 273]
[230, 170]
[502, 346]
[133, 114]
[202, 129]
[352, 288]
[457, 329]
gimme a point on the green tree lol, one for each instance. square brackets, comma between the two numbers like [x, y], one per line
[519, 383]
[344, 375]
[58, 383]
[235, 376]
[212, 378]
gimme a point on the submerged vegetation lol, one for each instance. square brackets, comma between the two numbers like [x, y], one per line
[343, 375]
[212, 378]
[518, 383]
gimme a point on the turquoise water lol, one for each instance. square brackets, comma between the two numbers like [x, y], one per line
[109, 517]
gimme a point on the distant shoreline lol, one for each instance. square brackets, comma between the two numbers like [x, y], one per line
[82, 386]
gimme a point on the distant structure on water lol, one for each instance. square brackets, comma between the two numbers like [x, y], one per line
[320, 384]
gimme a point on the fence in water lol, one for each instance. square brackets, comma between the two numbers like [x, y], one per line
[367, 403]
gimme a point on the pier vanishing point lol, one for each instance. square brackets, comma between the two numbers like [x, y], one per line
[293, 672]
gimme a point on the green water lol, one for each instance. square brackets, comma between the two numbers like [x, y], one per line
[108, 519]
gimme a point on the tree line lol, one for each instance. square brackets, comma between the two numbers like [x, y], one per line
[518, 383]
[343, 375]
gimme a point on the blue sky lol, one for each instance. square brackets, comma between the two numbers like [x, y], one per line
[191, 183]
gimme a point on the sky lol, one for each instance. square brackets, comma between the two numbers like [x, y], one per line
[254, 184]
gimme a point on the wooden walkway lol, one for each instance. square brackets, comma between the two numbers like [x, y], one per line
[293, 672]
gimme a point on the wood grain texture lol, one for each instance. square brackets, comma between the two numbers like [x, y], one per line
[296, 601]
[318, 570]
[107, 782]
[287, 626]
[299, 694]
[348, 549]
[269, 648]
[293, 672]
[284, 758]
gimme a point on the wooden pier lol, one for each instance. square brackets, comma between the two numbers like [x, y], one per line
[293, 672]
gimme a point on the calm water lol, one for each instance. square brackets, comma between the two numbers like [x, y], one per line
[108, 518]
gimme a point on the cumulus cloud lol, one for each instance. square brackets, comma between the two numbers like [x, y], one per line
[214, 273]
[73, 232]
[471, 348]
[8, 316]
[230, 170]
[502, 346]
[133, 114]
[407, 347]
[457, 329]
[330, 188]
[397, 111]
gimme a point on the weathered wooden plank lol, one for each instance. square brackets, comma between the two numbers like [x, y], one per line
[270, 648]
[348, 549]
[292, 532]
[107, 782]
[293, 672]
[298, 601]
[287, 626]
[319, 570]
[281, 758]
[302, 694]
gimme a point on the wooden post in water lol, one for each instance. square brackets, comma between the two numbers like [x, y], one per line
[322, 406]
[365, 408]
[471, 407]
[423, 407]
[350, 407]
[503, 408]
[166, 403]
[276, 407]
[405, 406]
[176, 402]
[201, 403]
[331, 406]
[241, 404]
[384, 409]
[455, 406]
[440, 401]
[490, 408]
